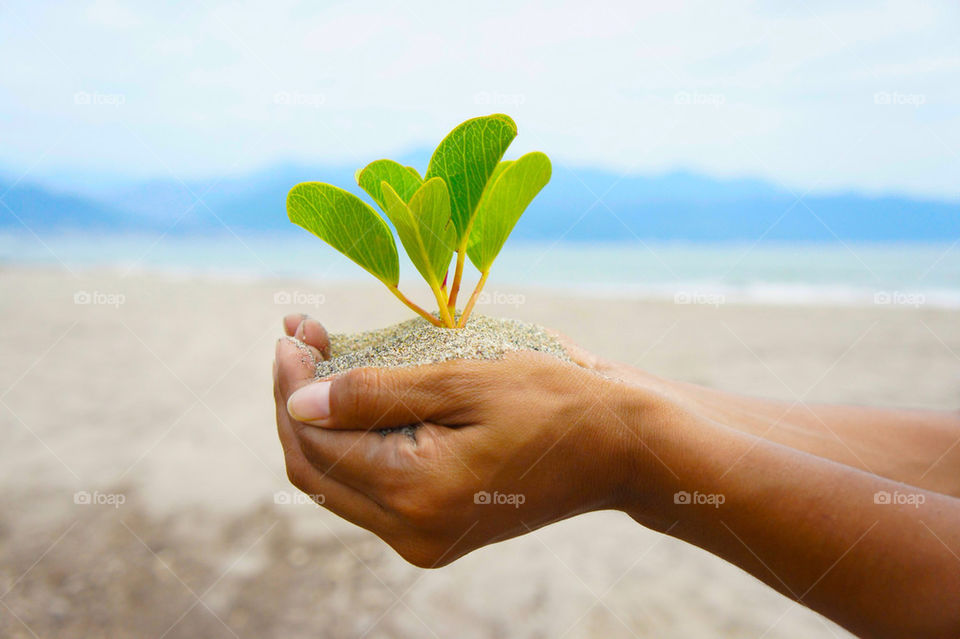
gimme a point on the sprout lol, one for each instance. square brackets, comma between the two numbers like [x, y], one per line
[468, 203]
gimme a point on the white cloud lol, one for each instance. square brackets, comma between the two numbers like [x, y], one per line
[788, 95]
[112, 15]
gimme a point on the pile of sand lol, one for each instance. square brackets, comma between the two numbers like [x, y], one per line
[416, 342]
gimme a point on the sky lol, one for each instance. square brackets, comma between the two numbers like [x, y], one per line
[814, 95]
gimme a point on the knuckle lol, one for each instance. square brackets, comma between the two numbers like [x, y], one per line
[295, 474]
[358, 386]
[416, 508]
[422, 553]
[450, 387]
[415, 459]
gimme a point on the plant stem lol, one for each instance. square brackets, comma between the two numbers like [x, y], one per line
[416, 309]
[442, 304]
[457, 274]
[473, 299]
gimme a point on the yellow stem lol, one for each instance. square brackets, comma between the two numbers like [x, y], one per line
[416, 309]
[457, 274]
[442, 304]
[473, 299]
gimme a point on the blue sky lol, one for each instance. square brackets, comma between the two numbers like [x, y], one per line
[814, 95]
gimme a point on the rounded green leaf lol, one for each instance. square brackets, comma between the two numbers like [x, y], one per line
[424, 227]
[513, 187]
[466, 159]
[403, 179]
[348, 224]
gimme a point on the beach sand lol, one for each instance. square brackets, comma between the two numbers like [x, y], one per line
[161, 399]
[416, 342]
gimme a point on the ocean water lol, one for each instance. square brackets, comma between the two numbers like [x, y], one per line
[834, 273]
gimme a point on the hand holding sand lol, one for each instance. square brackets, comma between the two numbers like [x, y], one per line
[477, 469]
[554, 439]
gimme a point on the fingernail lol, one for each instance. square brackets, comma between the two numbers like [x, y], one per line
[310, 403]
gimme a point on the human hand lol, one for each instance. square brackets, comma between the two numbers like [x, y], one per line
[503, 446]
[569, 440]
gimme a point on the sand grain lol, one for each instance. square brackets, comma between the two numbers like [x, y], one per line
[416, 342]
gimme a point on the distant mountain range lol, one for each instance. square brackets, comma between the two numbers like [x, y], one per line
[579, 204]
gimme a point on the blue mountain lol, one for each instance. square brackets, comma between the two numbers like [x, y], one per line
[578, 204]
[44, 209]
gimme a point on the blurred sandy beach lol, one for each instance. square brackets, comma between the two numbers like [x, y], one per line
[150, 397]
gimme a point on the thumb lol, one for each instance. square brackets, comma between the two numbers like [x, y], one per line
[375, 398]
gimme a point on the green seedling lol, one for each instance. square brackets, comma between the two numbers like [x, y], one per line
[467, 204]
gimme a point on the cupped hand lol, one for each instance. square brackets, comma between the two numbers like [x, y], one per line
[501, 447]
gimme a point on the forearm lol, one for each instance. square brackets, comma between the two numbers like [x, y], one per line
[918, 447]
[807, 526]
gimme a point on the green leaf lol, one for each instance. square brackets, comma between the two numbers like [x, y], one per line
[348, 224]
[497, 171]
[424, 227]
[514, 186]
[466, 158]
[396, 175]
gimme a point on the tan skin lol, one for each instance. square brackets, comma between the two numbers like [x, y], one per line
[798, 482]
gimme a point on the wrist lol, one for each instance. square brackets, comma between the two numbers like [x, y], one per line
[636, 446]
[666, 449]
[636, 429]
